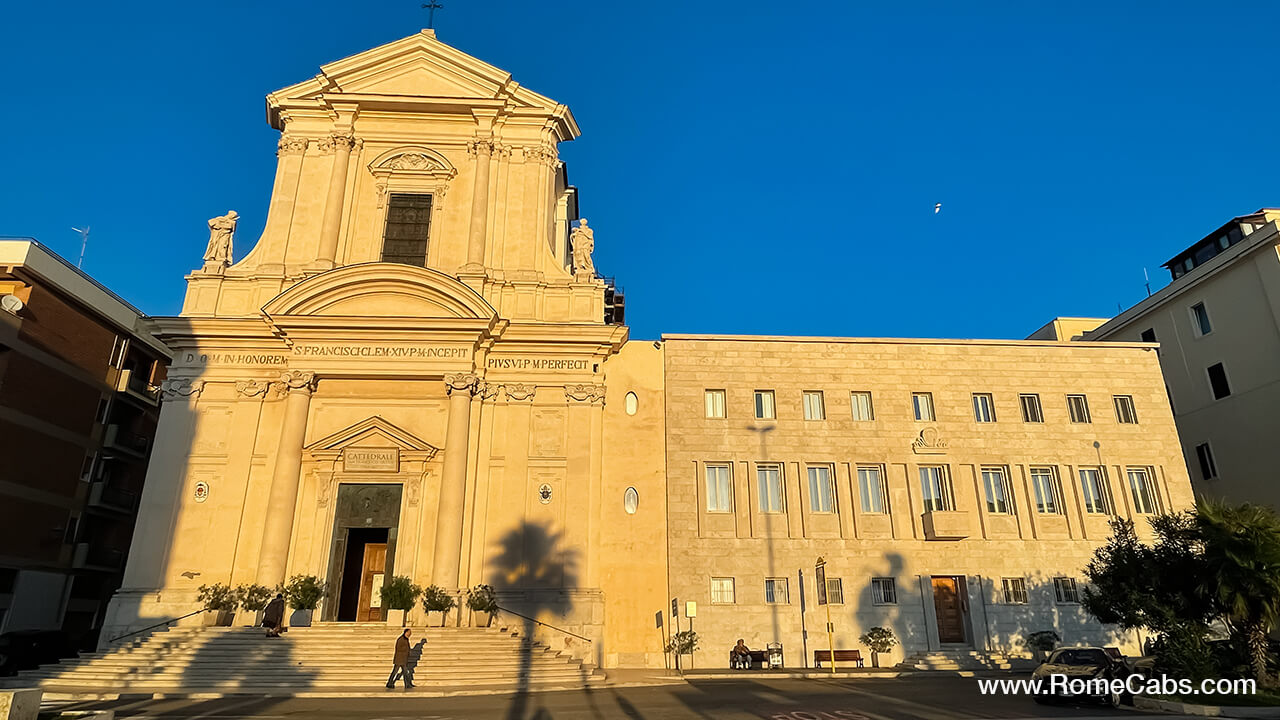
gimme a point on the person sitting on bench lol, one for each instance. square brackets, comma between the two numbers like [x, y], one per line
[740, 656]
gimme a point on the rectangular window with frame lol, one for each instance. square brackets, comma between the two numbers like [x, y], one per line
[1146, 500]
[765, 409]
[884, 591]
[769, 484]
[722, 591]
[821, 491]
[1126, 414]
[1093, 491]
[1015, 590]
[935, 487]
[775, 591]
[814, 407]
[1044, 483]
[714, 400]
[1200, 320]
[1208, 468]
[835, 591]
[1078, 408]
[1065, 591]
[1218, 381]
[871, 489]
[1148, 335]
[404, 240]
[719, 488]
[922, 404]
[984, 408]
[995, 481]
[1031, 411]
[862, 408]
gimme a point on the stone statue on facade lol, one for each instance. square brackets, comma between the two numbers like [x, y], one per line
[583, 240]
[221, 230]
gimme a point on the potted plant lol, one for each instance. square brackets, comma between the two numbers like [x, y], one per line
[682, 643]
[436, 600]
[252, 599]
[303, 593]
[220, 603]
[398, 595]
[879, 640]
[1042, 642]
[483, 603]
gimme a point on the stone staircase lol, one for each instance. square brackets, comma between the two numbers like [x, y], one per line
[328, 658]
[959, 659]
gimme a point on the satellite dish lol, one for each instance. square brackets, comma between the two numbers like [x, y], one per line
[11, 304]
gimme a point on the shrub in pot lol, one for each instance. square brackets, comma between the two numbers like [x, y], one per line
[303, 594]
[398, 595]
[483, 603]
[220, 602]
[252, 600]
[878, 640]
[435, 599]
[1042, 642]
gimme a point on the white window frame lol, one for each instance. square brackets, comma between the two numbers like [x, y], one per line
[855, 405]
[884, 591]
[715, 401]
[835, 591]
[815, 405]
[1102, 503]
[765, 504]
[1084, 405]
[997, 489]
[719, 497]
[765, 405]
[1047, 489]
[984, 408]
[1066, 591]
[943, 499]
[775, 583]
[718, 594]
[1142, 487]
[1035, 403]
[1126, 412]
[1014, 590]
[816, 484]
[918, 408]
[865, 482]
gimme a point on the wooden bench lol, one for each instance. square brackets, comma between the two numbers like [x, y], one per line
[842, 656]
[756, 658]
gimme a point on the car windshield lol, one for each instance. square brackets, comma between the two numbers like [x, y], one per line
[1079, 656]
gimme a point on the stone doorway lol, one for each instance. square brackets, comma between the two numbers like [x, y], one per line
[365, 528]
[951, 609]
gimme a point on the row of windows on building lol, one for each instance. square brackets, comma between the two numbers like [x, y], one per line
[1219, 387]
[863, 407]
[935, 488]
[884, 591]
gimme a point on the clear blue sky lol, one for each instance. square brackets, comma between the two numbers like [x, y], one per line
[750, 167]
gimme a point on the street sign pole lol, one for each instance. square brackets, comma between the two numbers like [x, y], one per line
[820, 574]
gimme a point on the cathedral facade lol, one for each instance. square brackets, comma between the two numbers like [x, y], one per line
[416, 371]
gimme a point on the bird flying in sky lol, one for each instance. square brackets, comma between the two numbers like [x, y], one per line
[937, 208]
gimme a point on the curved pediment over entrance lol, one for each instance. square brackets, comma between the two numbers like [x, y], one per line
[381, 290]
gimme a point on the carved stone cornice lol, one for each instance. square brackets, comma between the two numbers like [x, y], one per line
[180, 388]
[460, 382]
[301, 380]
[519, 392]
[292, 145]
[584, 393]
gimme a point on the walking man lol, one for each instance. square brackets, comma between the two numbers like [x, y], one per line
[401, 668]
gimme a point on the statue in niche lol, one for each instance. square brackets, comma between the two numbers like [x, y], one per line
[221, 230]
[583, 240]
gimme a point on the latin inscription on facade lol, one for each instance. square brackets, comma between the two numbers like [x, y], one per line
[381, 351]
[371, 459]
[506, 363]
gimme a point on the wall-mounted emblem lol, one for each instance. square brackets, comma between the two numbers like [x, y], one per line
[928, 443]
[544, 493]
[201, 492]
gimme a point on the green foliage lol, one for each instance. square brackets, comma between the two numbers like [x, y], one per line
[435, 599]
[482, 598]
[303, 592]
[1045, 640]
[253, 597]
[399, 593]
[879, 639]
[1182, 651]
[683, 643]
[218, 596]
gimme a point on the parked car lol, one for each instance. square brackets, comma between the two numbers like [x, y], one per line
[1081, 663]
[28, 649]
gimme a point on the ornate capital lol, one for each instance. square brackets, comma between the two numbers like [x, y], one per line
[487, 390]
[343, 142]
[480, 146]
[292, 145]
[459, 382]
[519, 391]
[265, 389]
[584, 393]
[303, 380]
[180, 388]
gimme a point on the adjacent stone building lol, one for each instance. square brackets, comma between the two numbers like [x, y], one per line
[417, 370]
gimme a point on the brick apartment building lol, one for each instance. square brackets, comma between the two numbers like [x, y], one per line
[79, 399]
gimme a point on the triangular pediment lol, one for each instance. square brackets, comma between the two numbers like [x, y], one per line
[372, 432]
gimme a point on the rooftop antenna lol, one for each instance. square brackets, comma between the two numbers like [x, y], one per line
[431, 8]
[1147, 278]
[84, 243]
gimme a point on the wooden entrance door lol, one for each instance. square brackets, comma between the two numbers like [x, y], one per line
[371, 579]
[950, 611]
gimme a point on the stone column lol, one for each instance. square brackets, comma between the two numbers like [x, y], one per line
[483, 150]
[277, 530]
[453, 482]
[332, 222]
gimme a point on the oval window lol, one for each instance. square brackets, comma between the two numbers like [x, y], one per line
[630, 501]
[633, 403]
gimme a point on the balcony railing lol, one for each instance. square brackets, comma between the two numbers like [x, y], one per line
[118, 438]
[103, 495]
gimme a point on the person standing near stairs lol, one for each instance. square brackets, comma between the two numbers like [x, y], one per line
[273, 616]
[401, 667]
